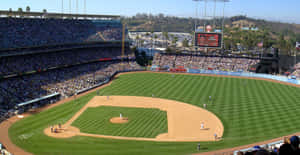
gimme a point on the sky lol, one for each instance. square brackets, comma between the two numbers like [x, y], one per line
[274, 10]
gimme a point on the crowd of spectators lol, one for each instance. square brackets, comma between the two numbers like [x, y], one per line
[26, 32]
[290, 146]
[204, 62]
[297, 70]
[66, 81]
[41, 61]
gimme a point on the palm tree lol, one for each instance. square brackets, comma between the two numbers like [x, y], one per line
[137, 40]
[27, 9]
[166, 37]
[20, 10]
[155, 37]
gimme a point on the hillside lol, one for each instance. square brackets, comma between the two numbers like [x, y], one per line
[272, 34]
[160, 22]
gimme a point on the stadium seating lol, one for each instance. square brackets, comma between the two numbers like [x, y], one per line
[297, 70]
[27, 32]
[40, 57]
[41, 61]
[203, 62]
[288, 146]
[66, 81]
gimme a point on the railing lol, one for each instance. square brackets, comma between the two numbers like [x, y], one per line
[37, 99]
[238, 73]
[266, 146]
[246, 74]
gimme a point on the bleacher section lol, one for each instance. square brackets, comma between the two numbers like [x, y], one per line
[28, 32]
[171, 61]
[43, 60]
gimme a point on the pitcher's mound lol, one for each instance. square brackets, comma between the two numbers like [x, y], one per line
[118, 120]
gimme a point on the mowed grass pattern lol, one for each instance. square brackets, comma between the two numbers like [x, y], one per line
[250, 110]
[142, 122]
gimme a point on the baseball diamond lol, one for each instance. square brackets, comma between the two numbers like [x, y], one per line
[149, 78]
[245, 110]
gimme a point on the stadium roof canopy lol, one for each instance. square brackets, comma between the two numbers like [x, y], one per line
[54, 15]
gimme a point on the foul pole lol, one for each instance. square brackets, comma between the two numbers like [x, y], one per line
[123, 42]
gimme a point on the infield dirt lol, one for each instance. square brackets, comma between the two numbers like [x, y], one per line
[183, 119]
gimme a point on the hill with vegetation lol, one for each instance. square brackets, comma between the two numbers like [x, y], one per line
[272, 34]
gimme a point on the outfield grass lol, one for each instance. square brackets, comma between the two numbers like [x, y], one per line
[142, 122]
[251, 111]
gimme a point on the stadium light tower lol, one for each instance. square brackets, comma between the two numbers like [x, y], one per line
[62, 6]
[203, 39]
[84, 7]
[76, 6]
[196, 12]
[70, 6]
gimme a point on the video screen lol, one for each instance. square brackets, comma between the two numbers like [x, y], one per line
[212, 40]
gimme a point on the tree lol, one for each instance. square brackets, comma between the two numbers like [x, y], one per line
[147, 34]
[185, 43]
[175, 39]
[10, 12]
[142, 42]
[168, 50]
[27, 9]
[20, 10]
[137, 40]
[166, 37]
[155, 37]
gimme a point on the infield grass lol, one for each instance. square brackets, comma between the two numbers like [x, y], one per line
[250, 110]
[142, 122]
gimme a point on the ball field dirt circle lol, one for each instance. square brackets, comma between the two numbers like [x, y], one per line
[119, 120]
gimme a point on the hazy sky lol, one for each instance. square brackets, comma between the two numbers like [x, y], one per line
[276, 10]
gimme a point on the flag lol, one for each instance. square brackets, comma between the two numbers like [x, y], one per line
[260, 44]
[297, 45]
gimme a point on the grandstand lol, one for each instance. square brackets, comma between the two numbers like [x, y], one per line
[44, 58]
[206, 62]
[48, 57]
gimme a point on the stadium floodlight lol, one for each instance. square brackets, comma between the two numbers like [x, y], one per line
[203, 38]
[84, 9]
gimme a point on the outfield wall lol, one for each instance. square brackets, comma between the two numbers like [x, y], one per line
[245, 74]
[242, 74]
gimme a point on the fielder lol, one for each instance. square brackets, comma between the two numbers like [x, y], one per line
[202, 126]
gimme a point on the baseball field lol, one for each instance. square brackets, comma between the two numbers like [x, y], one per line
[250, 110]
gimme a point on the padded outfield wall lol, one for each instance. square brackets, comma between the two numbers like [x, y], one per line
[243, 74]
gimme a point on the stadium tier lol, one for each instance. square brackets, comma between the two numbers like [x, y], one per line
[296, 70]
[171, 61]
[43, 60]
[66, 81]
[29, 32]
[20, 64]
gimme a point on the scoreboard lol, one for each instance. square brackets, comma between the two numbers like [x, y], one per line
[208, 40]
